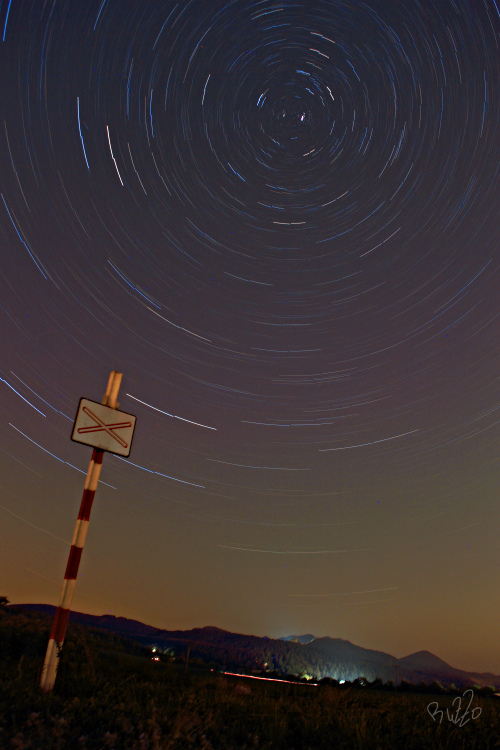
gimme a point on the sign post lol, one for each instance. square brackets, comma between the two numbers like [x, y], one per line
[101, 426]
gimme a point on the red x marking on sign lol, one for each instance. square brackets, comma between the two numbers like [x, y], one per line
[100, 426]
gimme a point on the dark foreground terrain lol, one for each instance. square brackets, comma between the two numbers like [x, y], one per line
[109, 693]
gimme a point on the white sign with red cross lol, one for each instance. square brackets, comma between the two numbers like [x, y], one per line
[104, 428]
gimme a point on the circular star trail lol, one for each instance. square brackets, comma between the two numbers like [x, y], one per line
[280, 222]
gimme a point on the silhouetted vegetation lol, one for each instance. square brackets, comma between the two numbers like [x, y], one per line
[110, 692]
[335, 658]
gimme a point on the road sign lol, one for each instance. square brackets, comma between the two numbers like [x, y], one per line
[104, 428]
[100, 425]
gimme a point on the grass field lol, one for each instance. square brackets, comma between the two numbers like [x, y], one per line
[110, 694]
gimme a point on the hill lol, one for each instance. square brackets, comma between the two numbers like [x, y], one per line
[424, 660]
[336, 658]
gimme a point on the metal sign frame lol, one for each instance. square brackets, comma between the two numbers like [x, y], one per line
[100, 423]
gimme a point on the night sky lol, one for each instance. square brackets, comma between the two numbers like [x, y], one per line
[280, 221]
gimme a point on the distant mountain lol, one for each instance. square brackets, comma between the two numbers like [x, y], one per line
[345, 651]
[424, 660]
[298, 638]
[299, 655]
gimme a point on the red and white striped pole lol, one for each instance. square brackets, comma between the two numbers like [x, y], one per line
[61, 616]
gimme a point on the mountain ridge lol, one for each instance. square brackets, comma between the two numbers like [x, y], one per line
[319, 657]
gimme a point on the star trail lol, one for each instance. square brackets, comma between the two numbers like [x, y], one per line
[280, 221]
